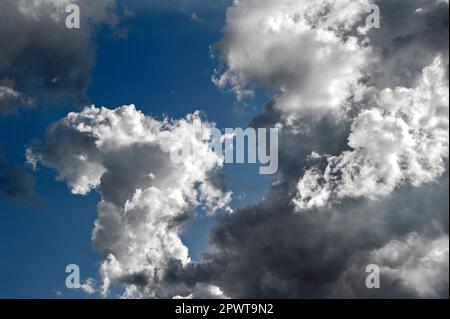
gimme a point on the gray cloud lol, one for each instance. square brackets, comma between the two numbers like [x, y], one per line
[41, 58]
[15, 182]
[411, 34]
[269, 250]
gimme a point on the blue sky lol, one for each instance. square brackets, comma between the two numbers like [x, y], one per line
[164, 67]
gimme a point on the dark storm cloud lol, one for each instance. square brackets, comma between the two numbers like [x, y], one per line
[42, 59]
[268, 250]
[14, 182]
[412, 32]
[322, 134]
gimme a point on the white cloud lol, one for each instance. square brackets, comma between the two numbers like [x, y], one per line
[299, 49]
[10, 99]
[88, 286]
[420, 264]
[125, 156]
[403, 140]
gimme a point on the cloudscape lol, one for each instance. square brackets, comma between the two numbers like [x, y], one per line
[229, 149]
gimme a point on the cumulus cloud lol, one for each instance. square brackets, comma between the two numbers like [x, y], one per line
[268, 251]
[353, 130]
[418, 264]
[390, 136]
[298, 49]
[146, 197]
[41, 58]
[403, 140]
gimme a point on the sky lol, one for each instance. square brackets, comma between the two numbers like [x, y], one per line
[363, 149]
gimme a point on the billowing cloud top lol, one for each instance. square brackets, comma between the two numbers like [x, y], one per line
[404, 139]
[146, 197]
[302, 50]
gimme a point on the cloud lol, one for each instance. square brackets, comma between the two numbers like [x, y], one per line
[268, 251]
[88, 286]
[301, 50]
[43, 59]
[146, 198]
[10, 99]
[403, 140]
[419, 264]
[392, 124]
[407, 41]
[390, 119]
[298, 49]
[15, 182]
